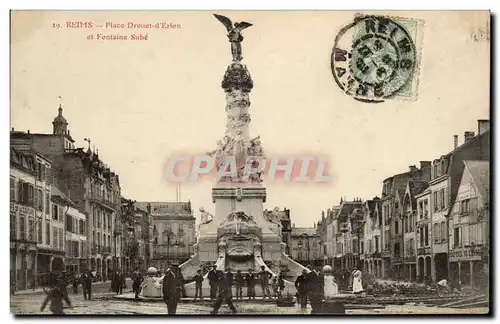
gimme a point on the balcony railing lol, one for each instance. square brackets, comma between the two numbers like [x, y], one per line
[103, 201]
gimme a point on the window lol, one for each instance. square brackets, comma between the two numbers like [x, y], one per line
[61, 240]
[435, 200]
[464, 206]
[377, 243]
[13, 231]
[22, 228]
[443, 231]
[55, 237]
[47, 202]
[40, 232]
[426, 235]
[420, 210]
[31, 229]
[31, 194]
[456, 237]
[12, 189]
[55, 212]
[69, 223]
[81, 227]
[426, 208]
[443, 199]
[40, 199]
[436, 232]
[396, 248]
[396, 227]
[47, 234]
[20, 191]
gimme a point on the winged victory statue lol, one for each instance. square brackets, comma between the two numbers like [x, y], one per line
[234, 35]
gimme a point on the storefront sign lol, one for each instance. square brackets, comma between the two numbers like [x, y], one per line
[471, 253]
[22, 210]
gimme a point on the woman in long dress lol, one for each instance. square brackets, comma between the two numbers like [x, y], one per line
[357, 284]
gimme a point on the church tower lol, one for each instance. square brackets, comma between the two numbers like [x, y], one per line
[60, 127]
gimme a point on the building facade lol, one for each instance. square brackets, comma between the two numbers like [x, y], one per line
[31, 225]
[372, 222]
[305, 246]
[469, 226]
[173, 233]
[88, 182]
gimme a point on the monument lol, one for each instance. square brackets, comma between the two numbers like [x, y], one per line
[238, 236]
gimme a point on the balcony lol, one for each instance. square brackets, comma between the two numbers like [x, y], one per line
[96, 198]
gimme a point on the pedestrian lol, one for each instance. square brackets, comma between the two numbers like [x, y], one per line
[264, 282]
[55, 296]
[250, 279]
[301, 287]
[213, 282]
[180, 281]
[315, 290]
[238, 279]
[169, 290]
[280, 284]
[137, 279]
[225, 292]
[87, 285]
[198, 279]
[357, 284]
[120, 282]
[274, 286]
[75, 283]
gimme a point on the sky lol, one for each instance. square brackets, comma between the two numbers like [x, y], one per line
[142, 102]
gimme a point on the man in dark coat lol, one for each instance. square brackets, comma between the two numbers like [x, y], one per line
[315, 290]
[250, 279]
[120, 282]
[87, 285]
[213, 282]
[198, 279]
[301, 287]
[264, 282]
[169, 290]
[225, 292]
[238, 279]
[136, 286]
[55, 297]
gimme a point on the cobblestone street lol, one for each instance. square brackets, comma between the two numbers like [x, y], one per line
[104, 304]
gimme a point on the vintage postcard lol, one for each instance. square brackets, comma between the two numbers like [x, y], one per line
[250, 162]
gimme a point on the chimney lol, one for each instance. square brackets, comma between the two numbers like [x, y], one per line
[412, 168]
[12, 128]
[28, 131]
[425, 164]
[455, 141]
[468, 136]
[482, 126]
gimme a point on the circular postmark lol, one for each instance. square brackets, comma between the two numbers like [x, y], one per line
[373, 58]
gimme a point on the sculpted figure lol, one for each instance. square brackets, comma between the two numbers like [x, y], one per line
[234, 35]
